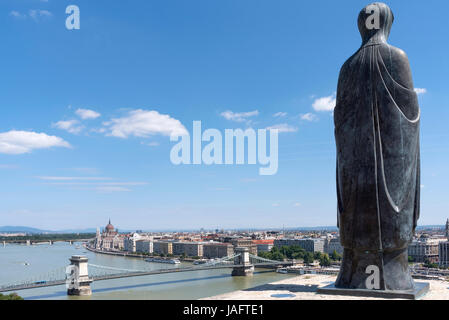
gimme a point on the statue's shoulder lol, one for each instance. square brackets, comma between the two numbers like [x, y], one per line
[397, 63]
[348, 63]
[391, 52]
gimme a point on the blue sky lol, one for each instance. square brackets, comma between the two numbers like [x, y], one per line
[74, 151]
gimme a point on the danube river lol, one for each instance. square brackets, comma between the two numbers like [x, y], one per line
[20, 262]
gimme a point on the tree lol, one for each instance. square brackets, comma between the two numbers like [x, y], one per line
[325, 261]
[428, 264]
[335, 256]
[264, 254]
[277, 256]
[308, 258]
[317, 255]
[11, 296]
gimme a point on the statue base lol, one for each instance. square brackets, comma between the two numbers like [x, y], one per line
[421, 289]
[393, 272]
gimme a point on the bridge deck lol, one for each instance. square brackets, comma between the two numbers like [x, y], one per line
[138, 274]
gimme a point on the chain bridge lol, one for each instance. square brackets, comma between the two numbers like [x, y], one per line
[79, 274]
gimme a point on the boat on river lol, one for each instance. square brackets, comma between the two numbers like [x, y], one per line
[161, 260]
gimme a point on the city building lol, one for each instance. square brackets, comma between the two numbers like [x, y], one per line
[443, 249]
[145, 246]
[190, 249]
[447, 229]
[212, 250]
[310, 245]
[424, 250]
[264, 245]
[131, 242]
[163, 247]
[443, 254]
[109, 239]
[247, 243]
[333, 244]
[97, 242]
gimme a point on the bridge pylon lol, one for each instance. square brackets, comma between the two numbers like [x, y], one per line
[242, 264]
[78, 283]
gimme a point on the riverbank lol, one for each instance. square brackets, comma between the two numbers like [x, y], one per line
[133, 255]
[305, 288]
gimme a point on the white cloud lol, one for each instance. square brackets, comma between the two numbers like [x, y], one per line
[239, 117]
[276, 205]
[420, 91]
[283, 127]
[106, 189]
[19, 142]
[144, 123]
[87, 114]
[93, 183]
[86, 170]
[71, 126]
[99, 130]
[8, 166]
[124, 183]
[36, 14]
[57, 178]
[309, 117]
[280, 114]
[325, 103]
[297, 204]
[99, 184]
[17, 14]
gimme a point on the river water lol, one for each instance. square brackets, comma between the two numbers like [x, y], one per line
[21, 262]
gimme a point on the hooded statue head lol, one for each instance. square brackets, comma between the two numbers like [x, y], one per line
[375, 22]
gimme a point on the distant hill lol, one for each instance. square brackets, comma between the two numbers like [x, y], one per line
[29, 230]
[323, 228]
[88, 230]
[22, 229]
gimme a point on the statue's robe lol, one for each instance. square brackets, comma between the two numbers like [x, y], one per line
[377, 136]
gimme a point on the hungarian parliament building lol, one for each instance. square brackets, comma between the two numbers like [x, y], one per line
[109, 239]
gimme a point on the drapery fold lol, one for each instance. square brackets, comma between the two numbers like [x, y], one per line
[377, 136]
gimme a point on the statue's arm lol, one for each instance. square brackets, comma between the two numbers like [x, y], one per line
[337, 119]
[337, 115]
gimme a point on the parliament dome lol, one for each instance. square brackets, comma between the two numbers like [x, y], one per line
[109, 226]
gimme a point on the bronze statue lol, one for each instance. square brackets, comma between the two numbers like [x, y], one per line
[377, 120]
